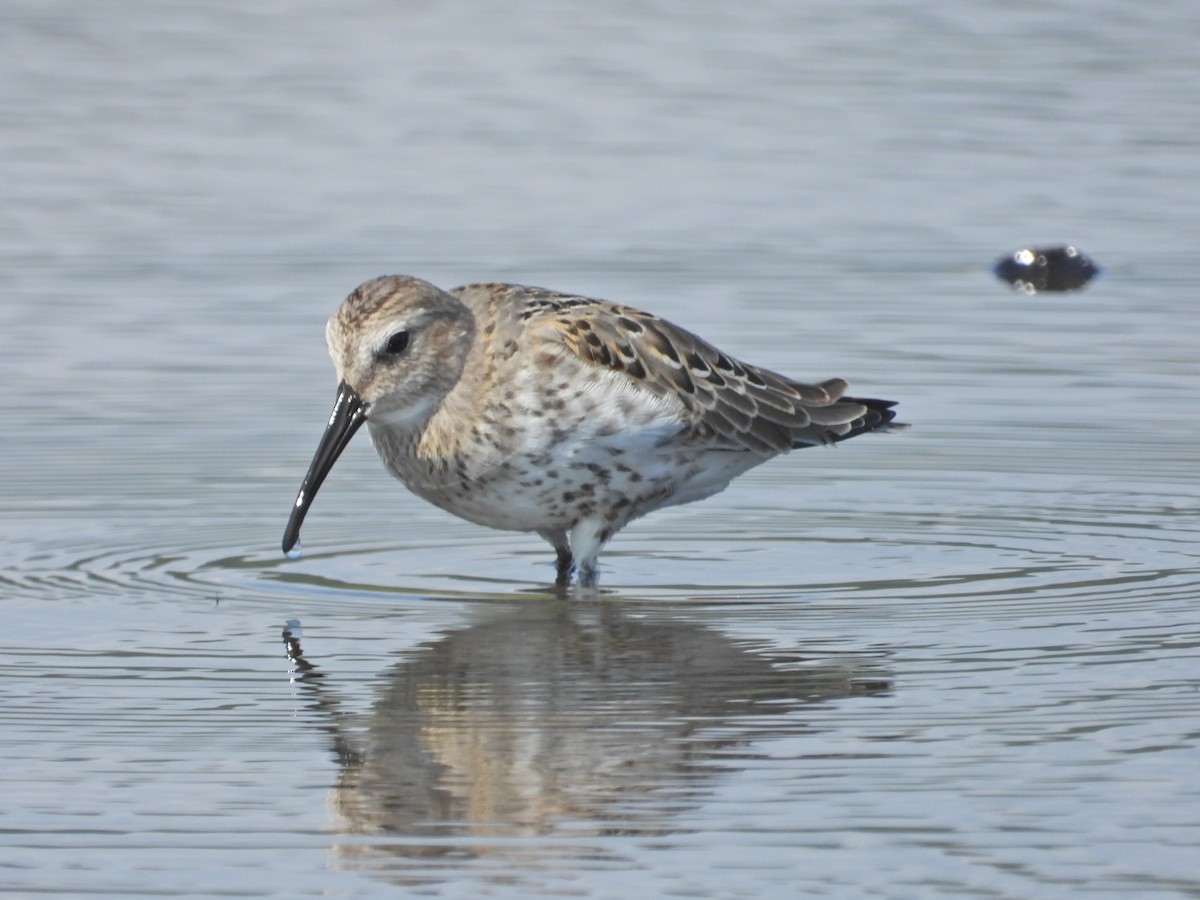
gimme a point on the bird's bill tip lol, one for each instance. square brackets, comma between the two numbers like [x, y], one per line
[349, 413]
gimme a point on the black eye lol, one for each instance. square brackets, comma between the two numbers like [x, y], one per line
[396, 344]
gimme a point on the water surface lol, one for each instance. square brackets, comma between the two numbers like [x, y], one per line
[957, 661]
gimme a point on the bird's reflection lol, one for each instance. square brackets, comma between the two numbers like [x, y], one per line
[539, 718]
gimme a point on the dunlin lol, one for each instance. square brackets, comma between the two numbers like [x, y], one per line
[529, 410]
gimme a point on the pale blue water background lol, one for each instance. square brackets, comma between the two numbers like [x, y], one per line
[962, 661]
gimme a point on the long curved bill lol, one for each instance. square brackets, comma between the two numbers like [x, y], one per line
[347, 417]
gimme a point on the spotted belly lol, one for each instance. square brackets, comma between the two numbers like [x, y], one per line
[589, 477]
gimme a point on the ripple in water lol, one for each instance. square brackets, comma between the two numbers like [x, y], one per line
[1008, 552]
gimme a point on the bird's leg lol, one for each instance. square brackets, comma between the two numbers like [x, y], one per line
[566, 562]
[557, 538]
[588, 573]
[588, 538]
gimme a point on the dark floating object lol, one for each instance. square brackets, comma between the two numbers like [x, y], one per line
[1034, 269]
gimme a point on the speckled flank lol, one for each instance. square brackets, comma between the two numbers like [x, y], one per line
[525, 409]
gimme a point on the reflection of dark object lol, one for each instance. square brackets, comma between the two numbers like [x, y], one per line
[1034, 269]
[540, 718]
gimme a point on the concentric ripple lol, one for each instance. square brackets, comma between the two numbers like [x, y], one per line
[1002, 555]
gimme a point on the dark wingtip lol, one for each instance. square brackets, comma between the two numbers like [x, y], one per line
[880, 416]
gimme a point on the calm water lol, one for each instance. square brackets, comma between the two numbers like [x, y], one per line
[959, 661]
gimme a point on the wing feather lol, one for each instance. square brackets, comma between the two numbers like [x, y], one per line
[728, 404]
